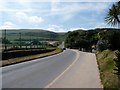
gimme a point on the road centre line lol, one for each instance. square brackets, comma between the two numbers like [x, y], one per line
[77, 57]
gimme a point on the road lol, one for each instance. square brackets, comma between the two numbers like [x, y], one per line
[82, 73]
[51, 72]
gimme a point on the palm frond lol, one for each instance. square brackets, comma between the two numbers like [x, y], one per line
[113, 15]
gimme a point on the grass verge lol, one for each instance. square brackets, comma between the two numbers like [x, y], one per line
[28, 58]
[107, 65]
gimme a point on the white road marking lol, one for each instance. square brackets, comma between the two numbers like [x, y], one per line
[47, 86]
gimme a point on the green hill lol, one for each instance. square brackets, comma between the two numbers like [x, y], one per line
[27, 34]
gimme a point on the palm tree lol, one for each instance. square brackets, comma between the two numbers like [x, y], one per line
[113, 18]
[113, 15]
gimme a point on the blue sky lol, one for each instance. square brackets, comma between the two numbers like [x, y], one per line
[54, 15]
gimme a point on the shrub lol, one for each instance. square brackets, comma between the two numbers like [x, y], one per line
[102, 45]
[114, 40]
[117, 64]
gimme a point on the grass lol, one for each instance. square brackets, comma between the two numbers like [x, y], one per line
[28, 58]
[107, 65]
[15, 37]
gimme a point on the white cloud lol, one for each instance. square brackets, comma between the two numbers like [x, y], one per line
[56, 28]
[8, 25]
[23, 5]
[72, 29]
[69, 10]
[66, 11]
[103, 25]
[35, 19]
[67, 17]
[23, 2]
[22, 17]
[63, 0]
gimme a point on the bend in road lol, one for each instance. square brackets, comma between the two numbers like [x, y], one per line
[69, 69]
[37, 73]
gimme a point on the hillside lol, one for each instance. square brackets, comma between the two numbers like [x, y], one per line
[27, 34]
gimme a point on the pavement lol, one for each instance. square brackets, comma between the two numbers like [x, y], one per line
[69, 69]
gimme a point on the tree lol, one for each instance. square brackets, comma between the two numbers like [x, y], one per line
[114, 40]
[71, 41]
[5, 41]
[113, 18]
[78, 40]
[35, 42]
[113, 15]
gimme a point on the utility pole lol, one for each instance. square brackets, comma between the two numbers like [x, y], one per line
[20, 40]
[30, 41]
[5, 41]
[38, 40]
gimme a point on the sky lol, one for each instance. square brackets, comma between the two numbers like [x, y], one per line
[54, 15]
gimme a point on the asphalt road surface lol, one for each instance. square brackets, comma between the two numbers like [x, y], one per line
[72, 67]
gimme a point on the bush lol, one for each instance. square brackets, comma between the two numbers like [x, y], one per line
[102, 45]
[117, 64]
[114, 40]
[106, 66]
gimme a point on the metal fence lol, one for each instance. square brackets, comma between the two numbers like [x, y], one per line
[8, 44]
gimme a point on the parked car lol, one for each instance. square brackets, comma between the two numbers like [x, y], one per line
[64, 48]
